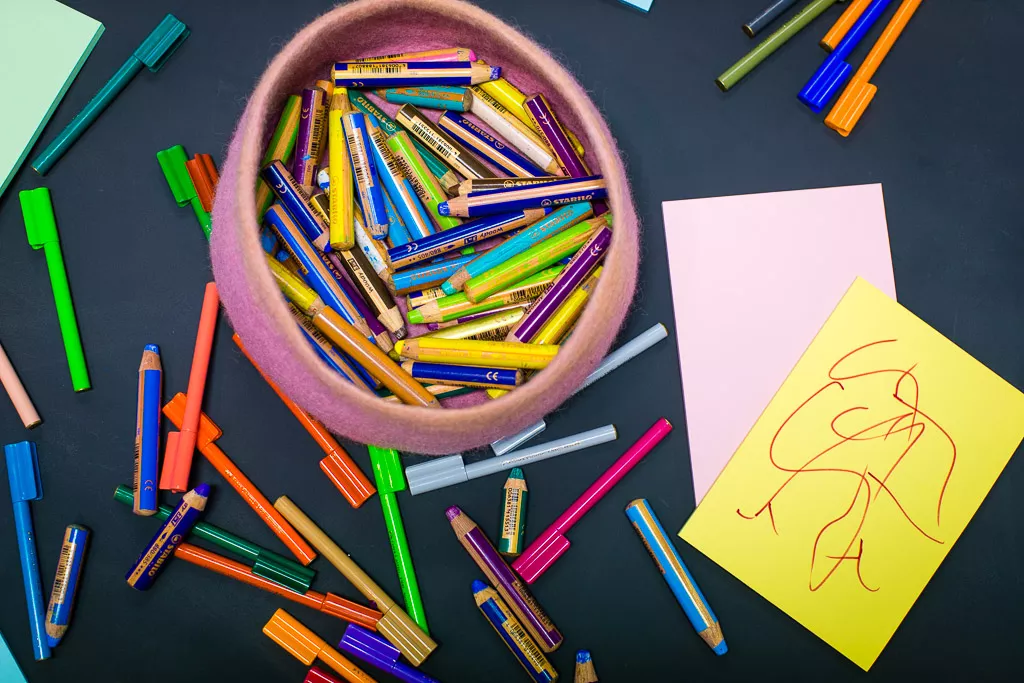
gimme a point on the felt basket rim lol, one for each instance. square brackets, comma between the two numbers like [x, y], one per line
[344, 409]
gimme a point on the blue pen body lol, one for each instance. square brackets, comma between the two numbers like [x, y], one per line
[23, 476]
[370, 192]
[65, 584]
[507, 159]
[295, 203]
[438, 373]
[149, 457]
[675, 573]
[835, 70]
[412, 279]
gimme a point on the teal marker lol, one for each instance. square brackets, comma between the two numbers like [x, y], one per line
[153, 53]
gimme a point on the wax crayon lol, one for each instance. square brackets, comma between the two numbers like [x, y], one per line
[65, 583]
[298, 204]
[553, 194]
[415, 169]
[462, 375]
[459, 305]
[402, 74]
[309, 144]
[478, 353]
[370, 193]
[512, 633]
[448, 97]
[441, 143]
[147, 567]
[497, 152]
[147, 433]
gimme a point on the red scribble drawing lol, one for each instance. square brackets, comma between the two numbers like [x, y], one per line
[865, 426]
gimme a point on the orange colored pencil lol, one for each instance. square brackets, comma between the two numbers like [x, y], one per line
[331, 604]
[842, 26]
[210, 432]
[338, 465]
[174, 475]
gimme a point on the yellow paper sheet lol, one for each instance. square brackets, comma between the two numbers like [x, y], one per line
[861, 473]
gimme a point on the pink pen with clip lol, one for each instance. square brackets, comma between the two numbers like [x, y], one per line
[551, 544]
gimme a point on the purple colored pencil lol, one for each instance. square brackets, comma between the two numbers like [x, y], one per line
[581, 265]
[472, 316]
[511, 588]
[308, 140]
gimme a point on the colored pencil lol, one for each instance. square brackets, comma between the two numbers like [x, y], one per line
[426, 185]
[153, 559]
[513, 515]
[459, 305]
[585, 672]
[490, 327]
[519, 134]
[443, 54]
[371, 195]
[280, 147]
[499, 153]
[463, 376]
[309, 143]
[561, 322]
[342, 230]
[489, 184]
[65, 582]
[512, 633]
[413, 216]
[553, 194]
[441, 143]
[402, 74]
[478, 353]
[147, 433]
[447, 97]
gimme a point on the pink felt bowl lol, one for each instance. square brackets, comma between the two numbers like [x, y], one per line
[256, 307]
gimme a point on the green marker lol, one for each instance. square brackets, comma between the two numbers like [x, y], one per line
[152, 53]
[266, 563]
[387, 470]
[513, 514]
[172, 163]
[735, 73]
[41, 230]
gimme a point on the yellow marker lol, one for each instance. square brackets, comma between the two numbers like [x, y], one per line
[342, 232]
[477, 353]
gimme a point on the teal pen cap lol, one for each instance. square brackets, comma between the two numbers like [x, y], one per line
[152, 53]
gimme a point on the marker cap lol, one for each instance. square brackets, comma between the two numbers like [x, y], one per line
[172, 162]
[436, 474]
[387, 469]
[825, 82]
[23, 471]
[851, 106]
[293, 636]
[37, 210]
[357, 639]
[159, 45]
[541, 555]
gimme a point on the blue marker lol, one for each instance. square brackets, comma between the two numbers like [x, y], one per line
[491, 148]
[23, 476]
[835, 71]
[147, 433]
[676, 575]
[294, 200]
[464, 375]
[65, 583]
[364, 169]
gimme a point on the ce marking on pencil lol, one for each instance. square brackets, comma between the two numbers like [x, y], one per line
[868, 426]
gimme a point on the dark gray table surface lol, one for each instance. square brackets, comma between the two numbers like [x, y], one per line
[943, 136]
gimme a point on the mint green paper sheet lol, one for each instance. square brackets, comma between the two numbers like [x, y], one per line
[43, 44]
[9, 671]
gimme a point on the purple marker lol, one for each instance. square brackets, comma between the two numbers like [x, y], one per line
[374, 650]
[510, 587]
[581, 265]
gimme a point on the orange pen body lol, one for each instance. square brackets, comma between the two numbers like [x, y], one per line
[208, 433]
[306, 646]
[842, 26]
[204, 176]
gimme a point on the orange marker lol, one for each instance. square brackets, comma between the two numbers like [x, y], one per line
[328, 604]
[174, 475]
[338, 465]
[210, 432]
[205, 177]
[838, 31]
[307, 647]
[859, 93]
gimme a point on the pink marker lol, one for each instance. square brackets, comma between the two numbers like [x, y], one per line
[550, 545]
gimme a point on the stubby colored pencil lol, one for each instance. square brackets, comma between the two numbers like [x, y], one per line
[337, 361]
[377, 651]
[376, 251]
[16, 391]
[298, 204]
[544, 119]
[552, 543]
[371, 195]
[282, 142]
[512, 633]
[472, 317]
[449, 97]
[417, 299]
[147, 567]
[265, 563]
[462, 375]
[210, 432]
[735, 73]
[490, 184]
[378, 332]
[307, 647]
[402, 74]
[585, 672]
[65, 582]
[177, 465]
[521, 135]
[341, 192]
[330, 603]
[509, 586]
[387, 471]
[441, 143]
[513, 514]
[147, 433]
[676, 575]
[859, 93]
[342, 469]
[538, 257]
[478, 353]
[451, 470]
[459, 305]
[373, 290]
[309, 144]
[349, 340]
[579, 268]
[444, 175]
[767, 16]
[500, 154]
[428, 275]
[443, 54]
[514, 99]
[563, 218]
[395, 624]
[412, 218]
[490, 327]
[553, 194]
[425, 184]
[842, 26]
[428, 247]
[555, 330]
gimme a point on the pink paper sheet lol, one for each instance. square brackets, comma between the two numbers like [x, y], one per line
[754, 277]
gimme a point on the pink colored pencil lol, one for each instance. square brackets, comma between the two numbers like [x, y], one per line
[174, 475]
[16, 390]
[550, 545]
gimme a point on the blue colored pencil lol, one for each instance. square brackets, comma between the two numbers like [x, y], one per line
[147, 433]
[676, 575]
[401, 197]
[364, 169]
[515, 637]
[147, 567]
[295, 203]
[478, 140]
[463, 375]
[65, 583]
[553, 194]
[429, 275]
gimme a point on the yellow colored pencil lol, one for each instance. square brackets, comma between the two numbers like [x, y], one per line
[342, 232]
[477, 353]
